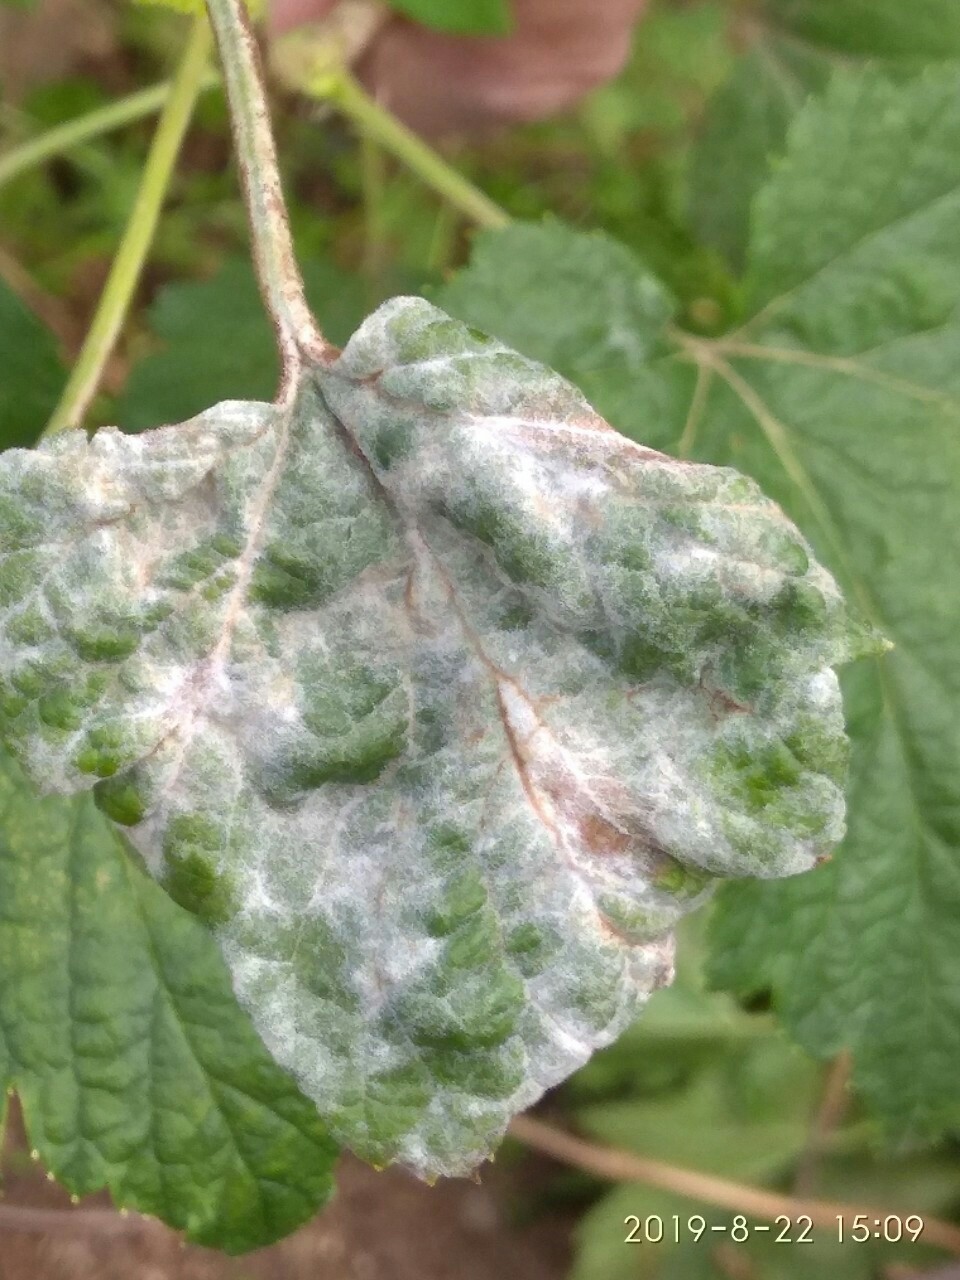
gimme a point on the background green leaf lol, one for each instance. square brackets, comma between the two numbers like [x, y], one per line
[136, 1068]
[31, 374]
[841, 395]
[587, 307]
[792, 46]
[461, 17]
[852, 395]
[700, 1083]
[215, 342]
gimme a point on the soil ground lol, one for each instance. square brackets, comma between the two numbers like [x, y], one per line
[380, 1226]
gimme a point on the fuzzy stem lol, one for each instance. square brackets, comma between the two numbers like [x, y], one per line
[73, 133]
[280, 281]
[141, 226]
[348, 96]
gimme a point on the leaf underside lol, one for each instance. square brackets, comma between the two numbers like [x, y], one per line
[439, 700]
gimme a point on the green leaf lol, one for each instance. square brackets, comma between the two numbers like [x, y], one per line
[926, 31]
[586, 308]
[600, 1235]
[853, 388]
[438, 699]
[793, 47]
[215, 341]
[731, 1119]
[744, 1116]
[30, 372]
[745, 129]
[706, 1086]
[460, 17]
[137, 1070]
[841, 395]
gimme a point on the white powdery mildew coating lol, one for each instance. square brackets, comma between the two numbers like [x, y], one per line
[439, 699]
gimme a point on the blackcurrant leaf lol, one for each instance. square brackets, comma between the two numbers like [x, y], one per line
[136, 1069]
[438, 699]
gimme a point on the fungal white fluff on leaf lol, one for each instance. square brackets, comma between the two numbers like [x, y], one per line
[440, 700]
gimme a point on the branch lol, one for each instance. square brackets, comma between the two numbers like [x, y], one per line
[68, 1222]
[623, 1166]
[347, 95]
[318, 67]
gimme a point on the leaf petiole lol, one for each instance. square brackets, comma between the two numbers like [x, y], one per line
[281, 283]
[138, 235]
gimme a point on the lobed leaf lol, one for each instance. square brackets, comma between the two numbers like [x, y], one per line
[437, 698]
[136, 1069]
[792, 47]
[854, 386]
[840, 395]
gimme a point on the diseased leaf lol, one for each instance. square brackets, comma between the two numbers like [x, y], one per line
[437, 698]
[136, 1068]
[841, 395]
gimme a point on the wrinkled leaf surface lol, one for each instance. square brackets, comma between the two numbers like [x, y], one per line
[437, 698]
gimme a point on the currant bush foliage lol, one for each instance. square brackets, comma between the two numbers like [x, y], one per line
[839, 393]
[639, 682]
[792, 48]
[464, 17]
[30, 373]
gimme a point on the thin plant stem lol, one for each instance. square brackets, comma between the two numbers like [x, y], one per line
[47, 308]
[280, 281]
[348, 96]
[442, 240]
[73, 133]
[138, 236]
[830, 1113]
[754, 1202]
[373, 174]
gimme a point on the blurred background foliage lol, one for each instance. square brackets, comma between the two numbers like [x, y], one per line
[665, 160]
